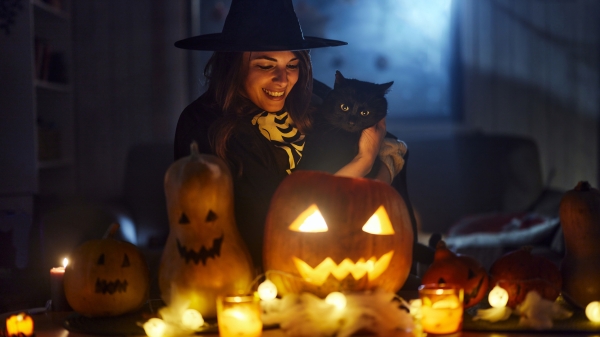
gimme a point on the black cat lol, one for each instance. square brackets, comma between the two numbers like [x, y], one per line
[349, 108]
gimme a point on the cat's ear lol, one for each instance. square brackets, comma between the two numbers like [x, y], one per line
[385, 87]
[339, 78]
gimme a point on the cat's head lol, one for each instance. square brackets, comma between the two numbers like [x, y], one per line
[355, 105]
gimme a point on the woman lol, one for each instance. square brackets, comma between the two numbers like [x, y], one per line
[256, 110]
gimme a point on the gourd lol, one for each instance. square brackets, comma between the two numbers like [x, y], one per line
[326, 233]
[106, 277]
[520, 272]
[464, 270]
[580, 220]
[204, 255]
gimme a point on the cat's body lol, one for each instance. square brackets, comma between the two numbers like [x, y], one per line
[349, 108]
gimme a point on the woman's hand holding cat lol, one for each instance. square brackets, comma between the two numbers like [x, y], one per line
[368, 151]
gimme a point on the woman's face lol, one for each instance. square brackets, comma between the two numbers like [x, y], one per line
[270, 78]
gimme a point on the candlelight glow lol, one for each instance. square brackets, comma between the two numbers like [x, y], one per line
[592, 311]
[19, 325]
[155, 327]
[309, 221]
[65, 262]
[337, 299]
[267, 290]
[192, 319]
[498, 297]
[379, 223]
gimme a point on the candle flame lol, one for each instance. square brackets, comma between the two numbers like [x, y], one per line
[65, 262]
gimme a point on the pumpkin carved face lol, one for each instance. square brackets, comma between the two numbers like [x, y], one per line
[464, 270]
[204, 255]
[106, 277]
[336, 234]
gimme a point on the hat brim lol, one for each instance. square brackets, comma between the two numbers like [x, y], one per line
[216, 42]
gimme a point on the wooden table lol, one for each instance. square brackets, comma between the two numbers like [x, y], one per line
[50, 324]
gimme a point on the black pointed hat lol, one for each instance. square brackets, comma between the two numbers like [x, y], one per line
[258, 25]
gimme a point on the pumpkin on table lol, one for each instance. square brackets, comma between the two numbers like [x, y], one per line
[580, 221]
[464, 270]
[520, 272]
[326, 233]
[204, 255]
[106, 277]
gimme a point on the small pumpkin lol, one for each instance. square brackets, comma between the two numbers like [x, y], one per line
[106, 277]
[204, 255]
[580, 220]
[520, 272]
[328, 233]
[464, 270]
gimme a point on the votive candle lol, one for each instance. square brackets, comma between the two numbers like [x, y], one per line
[239, 316]
[57, 289]
[441, 308]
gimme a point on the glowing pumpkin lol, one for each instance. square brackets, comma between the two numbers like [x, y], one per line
[204, 255]
[327, 233]
[106, 277]
[448, 267]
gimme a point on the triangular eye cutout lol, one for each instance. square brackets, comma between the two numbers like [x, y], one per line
[211, 216]
[100, 260]
[184, 219]
[309, 221]
[379, 223]
[125, 261]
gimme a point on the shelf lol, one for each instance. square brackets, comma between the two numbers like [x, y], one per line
[53, 86]
[58, 12]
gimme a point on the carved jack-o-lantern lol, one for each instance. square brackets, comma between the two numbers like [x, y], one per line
[106, 277]
[204, 255]
[328, 233]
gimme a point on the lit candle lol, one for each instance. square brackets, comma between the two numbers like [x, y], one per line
[441, 308]
[19, 325]
[57, 290]
[239, 316]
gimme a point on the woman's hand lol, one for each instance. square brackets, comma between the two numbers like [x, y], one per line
[368, 150]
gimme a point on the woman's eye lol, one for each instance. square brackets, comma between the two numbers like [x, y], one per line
[365, 113]
[344, 107]
[292, 66]
[264, 67]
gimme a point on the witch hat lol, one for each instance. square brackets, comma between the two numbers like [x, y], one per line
[258, 25]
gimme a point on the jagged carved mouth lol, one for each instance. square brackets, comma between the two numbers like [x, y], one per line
[372, 267]
[200, 255]
[110, 287]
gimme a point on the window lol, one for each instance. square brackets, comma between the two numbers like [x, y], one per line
[405, 41]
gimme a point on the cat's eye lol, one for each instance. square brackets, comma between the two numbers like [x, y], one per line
[344, 107]
[365, 113]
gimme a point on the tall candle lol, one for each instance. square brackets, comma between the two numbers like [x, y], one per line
[441, 309]
[57, 289]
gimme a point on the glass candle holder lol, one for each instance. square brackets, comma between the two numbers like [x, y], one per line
[441, 308]
[239, 315]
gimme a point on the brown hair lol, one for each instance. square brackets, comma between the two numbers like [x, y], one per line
[225, 74]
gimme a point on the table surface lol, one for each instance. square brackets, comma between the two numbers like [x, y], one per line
[50, 324]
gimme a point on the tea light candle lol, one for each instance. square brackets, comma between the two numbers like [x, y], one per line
[441, 308]
[19, 325]
[57, 290]
[239, 316]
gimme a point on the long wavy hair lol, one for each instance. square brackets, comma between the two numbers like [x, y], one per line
[225, 73]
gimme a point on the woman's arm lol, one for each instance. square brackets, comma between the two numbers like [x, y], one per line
[368, 150]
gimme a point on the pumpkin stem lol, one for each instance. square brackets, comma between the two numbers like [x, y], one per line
[111, 231]
[583, 186]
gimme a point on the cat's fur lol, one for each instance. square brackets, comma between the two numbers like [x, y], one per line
[349, 108]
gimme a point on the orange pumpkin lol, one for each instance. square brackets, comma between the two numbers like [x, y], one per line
[106, 277]
[328, 233]
[448, 267]
[204, 255]
[580, 221]
[520, 272]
